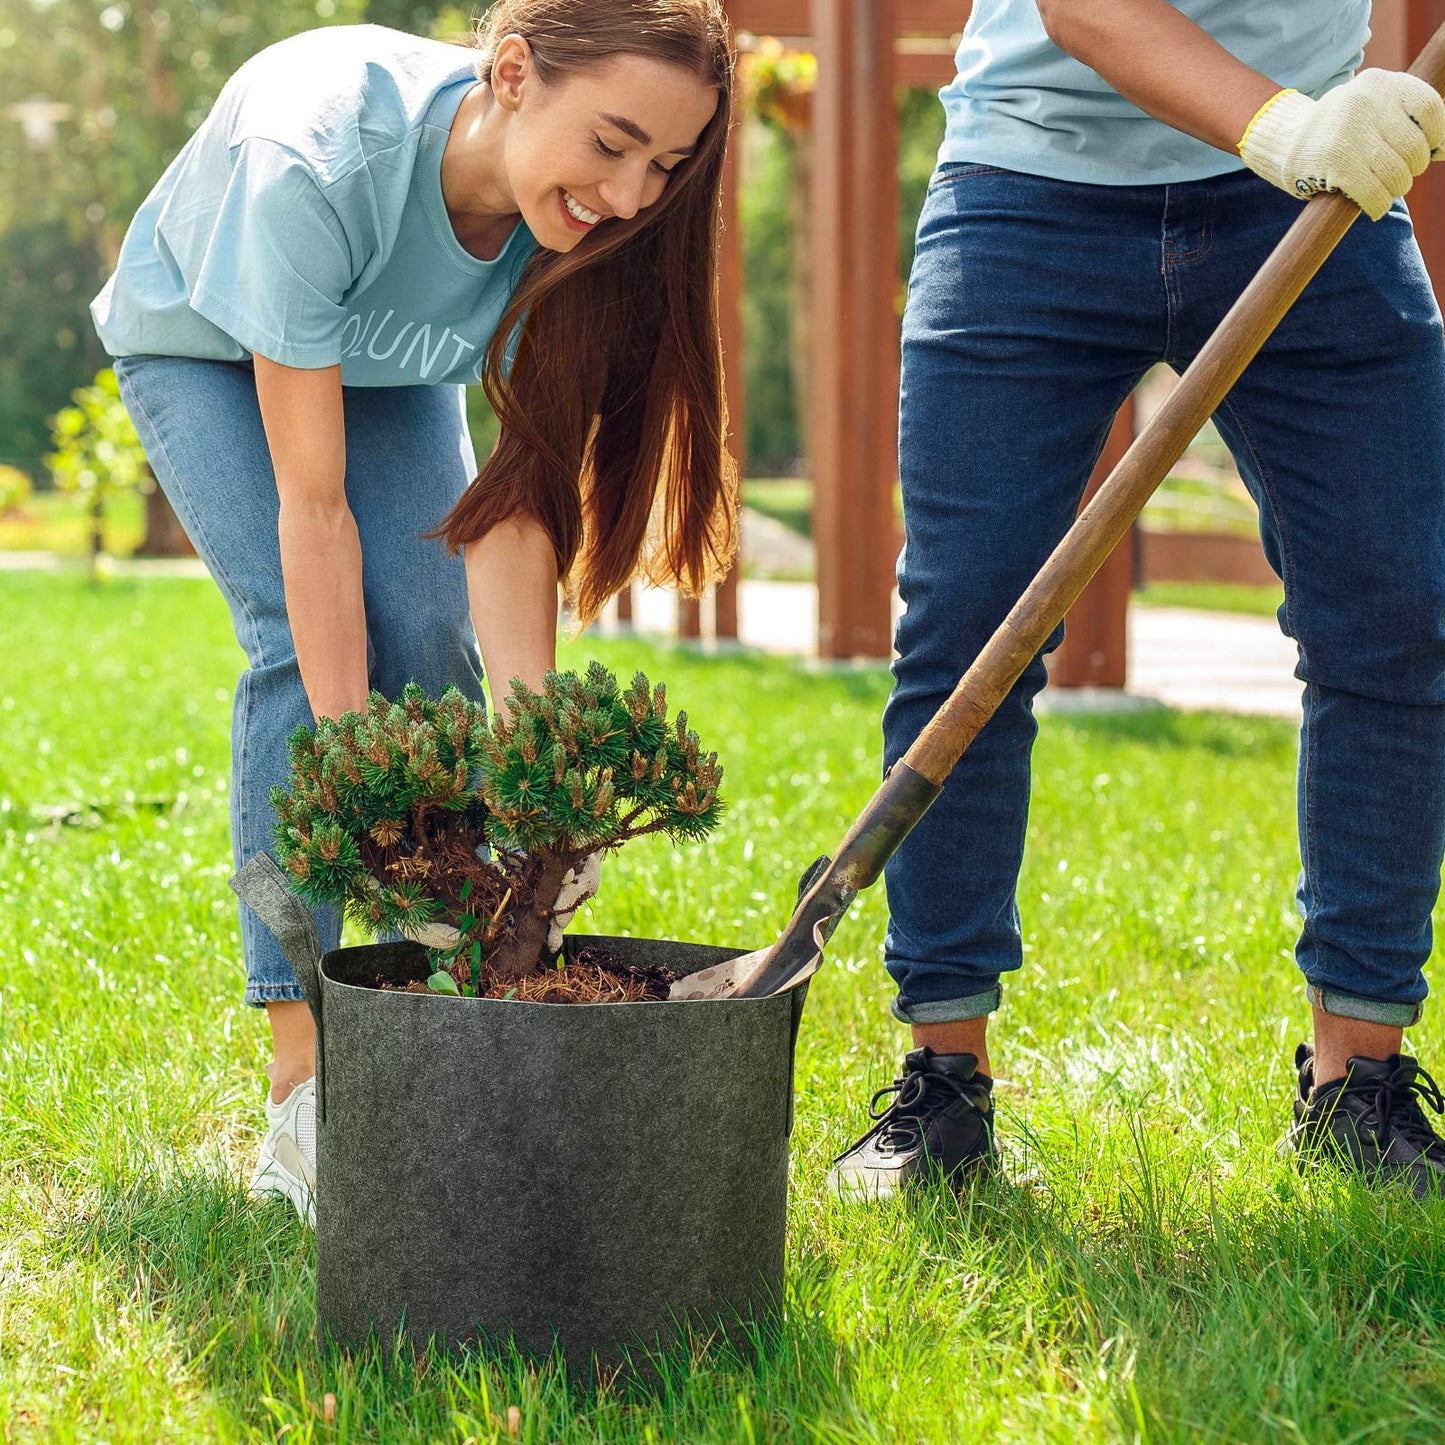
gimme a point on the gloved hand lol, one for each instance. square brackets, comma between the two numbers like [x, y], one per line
[1369, 138]
[429, 935]
[578, 885]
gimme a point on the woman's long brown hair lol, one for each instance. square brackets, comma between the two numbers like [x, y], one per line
[613, 415]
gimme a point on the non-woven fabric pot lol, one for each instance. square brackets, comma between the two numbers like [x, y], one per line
[599, 1177]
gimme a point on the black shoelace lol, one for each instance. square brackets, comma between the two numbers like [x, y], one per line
[1397, 1102]
[900, 1125]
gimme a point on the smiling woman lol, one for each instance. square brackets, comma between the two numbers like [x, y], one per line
[613, 125]
[365, 223]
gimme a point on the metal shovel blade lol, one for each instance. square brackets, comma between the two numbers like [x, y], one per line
[741, 977]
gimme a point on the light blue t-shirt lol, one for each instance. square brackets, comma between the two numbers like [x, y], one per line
[1022, 103]
[304, 221]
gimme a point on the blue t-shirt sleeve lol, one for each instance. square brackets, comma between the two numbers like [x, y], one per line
[275, 264]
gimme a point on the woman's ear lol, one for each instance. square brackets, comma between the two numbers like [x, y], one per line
[512, 71]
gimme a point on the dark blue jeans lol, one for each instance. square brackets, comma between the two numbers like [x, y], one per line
[1034, 308]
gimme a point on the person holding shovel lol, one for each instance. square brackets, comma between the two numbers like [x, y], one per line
[1112, 177]
[366, 223]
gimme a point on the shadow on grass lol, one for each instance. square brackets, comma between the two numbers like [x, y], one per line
[1309, 1310]
[1313, 1311]
[234, 1282]
[1222, 734]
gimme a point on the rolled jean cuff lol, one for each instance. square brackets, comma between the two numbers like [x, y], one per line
[258, 995]
[950, 1010]
[1367, 1010]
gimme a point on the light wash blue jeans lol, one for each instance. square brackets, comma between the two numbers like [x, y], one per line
[408, 459]
[1034, 308]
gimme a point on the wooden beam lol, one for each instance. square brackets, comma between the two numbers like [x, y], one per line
[689, 618]
[923, 69]
[794, 17]
[1095, 650]
[932, 17]
[1388, 35]
[770, 17]
[856, 327]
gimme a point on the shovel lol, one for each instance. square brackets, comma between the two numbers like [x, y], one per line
[830, 885]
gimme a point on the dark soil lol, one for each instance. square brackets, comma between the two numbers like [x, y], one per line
[595, 976]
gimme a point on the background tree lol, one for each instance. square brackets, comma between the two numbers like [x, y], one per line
[97, 452]
[15, 490]
[134, 79]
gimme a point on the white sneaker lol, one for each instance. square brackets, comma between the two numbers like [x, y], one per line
[287, 1162]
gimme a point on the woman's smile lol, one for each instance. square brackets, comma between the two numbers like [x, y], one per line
[578, 216]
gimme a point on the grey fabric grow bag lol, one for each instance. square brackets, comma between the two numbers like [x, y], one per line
[599, 1177]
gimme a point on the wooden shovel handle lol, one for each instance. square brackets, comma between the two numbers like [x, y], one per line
[1121, 498]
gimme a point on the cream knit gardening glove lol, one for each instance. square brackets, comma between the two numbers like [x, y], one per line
[578, 885]
[1369, 138]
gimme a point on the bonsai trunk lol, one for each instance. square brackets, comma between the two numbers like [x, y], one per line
[522, 953]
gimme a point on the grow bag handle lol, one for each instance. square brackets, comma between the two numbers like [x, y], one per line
[261, 885]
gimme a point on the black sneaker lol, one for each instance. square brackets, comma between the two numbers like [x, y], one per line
[1371, 1122]
[940, 1126]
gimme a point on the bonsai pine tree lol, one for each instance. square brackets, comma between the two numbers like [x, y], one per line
[382, 817]
[423, 817]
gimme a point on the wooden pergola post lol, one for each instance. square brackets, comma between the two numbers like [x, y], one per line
[730, 323]
[855, 324]
[730, 309]
[1095, 651]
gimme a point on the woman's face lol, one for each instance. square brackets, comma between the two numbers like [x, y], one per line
[597, 144]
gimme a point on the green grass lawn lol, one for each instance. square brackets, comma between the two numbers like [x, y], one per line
[1151, 1271]
[786, 499]
[1213, 597]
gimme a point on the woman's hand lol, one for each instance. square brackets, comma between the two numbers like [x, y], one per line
[320, 546]
[1369, 138]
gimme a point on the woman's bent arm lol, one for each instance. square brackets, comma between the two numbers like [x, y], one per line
[320, 546]
[512, 582]
[1162, 61]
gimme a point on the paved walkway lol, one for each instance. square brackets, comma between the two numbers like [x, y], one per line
[1214, 660]
[1185, 659]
